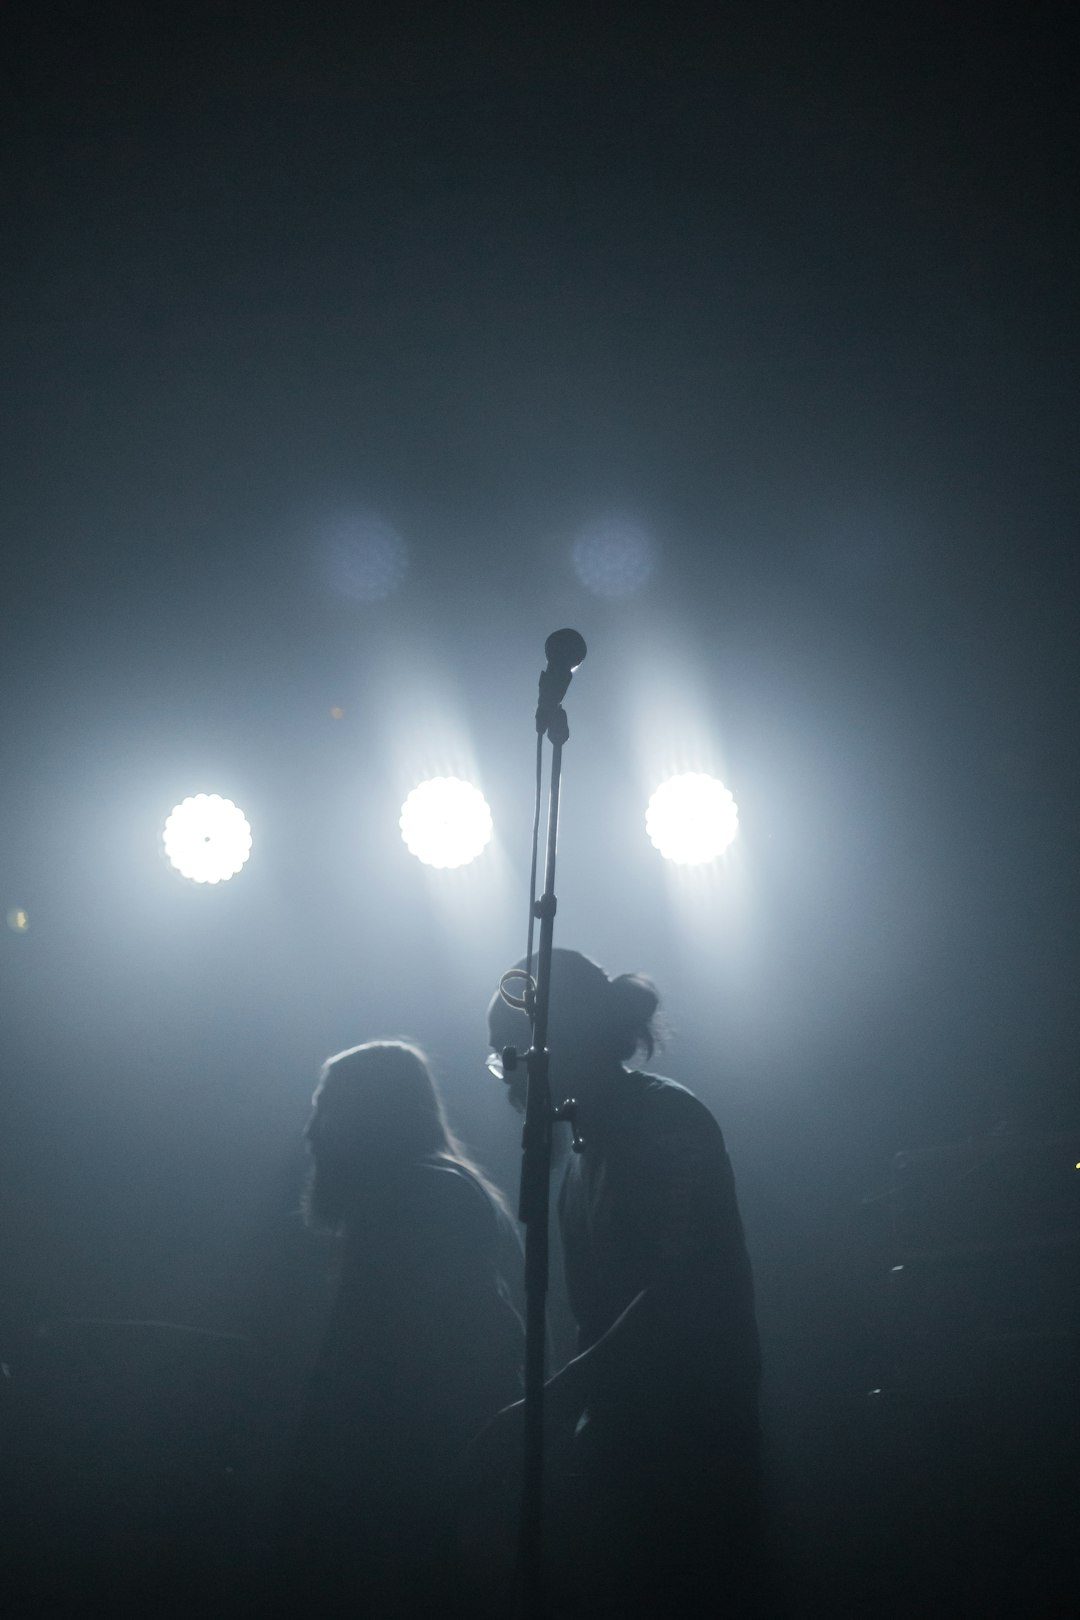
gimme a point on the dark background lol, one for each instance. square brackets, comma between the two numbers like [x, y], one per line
[788, 290]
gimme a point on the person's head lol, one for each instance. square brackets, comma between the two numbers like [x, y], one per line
[595, 1023]
[376, 1109]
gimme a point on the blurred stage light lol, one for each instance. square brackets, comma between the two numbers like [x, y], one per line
[445, 822]
[692, 819]
[17, 920]
[207, 838]
[366, 558]
[613, 557]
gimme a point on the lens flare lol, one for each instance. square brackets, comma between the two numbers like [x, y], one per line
[692, 819]
[445, 822]
[207, 838]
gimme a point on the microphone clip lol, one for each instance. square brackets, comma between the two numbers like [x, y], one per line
[550, 715]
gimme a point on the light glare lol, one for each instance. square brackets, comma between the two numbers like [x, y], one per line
[207, 838]
[692, 819]
[445, 822]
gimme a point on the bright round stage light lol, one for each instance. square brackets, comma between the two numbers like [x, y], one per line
[207, 838]
[445, 822]
[692, 819]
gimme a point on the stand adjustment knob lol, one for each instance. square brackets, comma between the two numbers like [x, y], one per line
[568, 1111]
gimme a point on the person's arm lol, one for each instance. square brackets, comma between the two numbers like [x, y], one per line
[568, 1391]
[697, 1302]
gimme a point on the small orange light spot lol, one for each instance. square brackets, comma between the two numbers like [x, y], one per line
[336, 713]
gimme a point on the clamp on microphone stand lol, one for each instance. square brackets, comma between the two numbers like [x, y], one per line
[565, 650]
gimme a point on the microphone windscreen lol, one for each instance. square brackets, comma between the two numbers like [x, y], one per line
[565, 649]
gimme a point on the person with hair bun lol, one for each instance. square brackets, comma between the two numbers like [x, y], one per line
[659, 1514]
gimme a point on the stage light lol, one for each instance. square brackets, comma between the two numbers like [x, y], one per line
[207, 838]
[613, 557]
[692, 819]
[365, 557]
[445, 822]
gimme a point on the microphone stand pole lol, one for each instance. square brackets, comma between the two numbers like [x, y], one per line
[533, 1209]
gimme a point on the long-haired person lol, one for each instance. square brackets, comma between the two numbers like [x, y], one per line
[423, 1344]
[663, 1393]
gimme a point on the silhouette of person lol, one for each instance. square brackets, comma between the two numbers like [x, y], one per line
[423, 1345]
[659, 1515]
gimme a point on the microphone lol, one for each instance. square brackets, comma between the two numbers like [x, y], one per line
[565, 651]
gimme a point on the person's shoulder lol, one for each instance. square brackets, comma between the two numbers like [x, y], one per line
[453, 1193]
[665, 1097]
[673, 1109]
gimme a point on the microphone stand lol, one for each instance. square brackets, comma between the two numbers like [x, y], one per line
[534, 1197]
